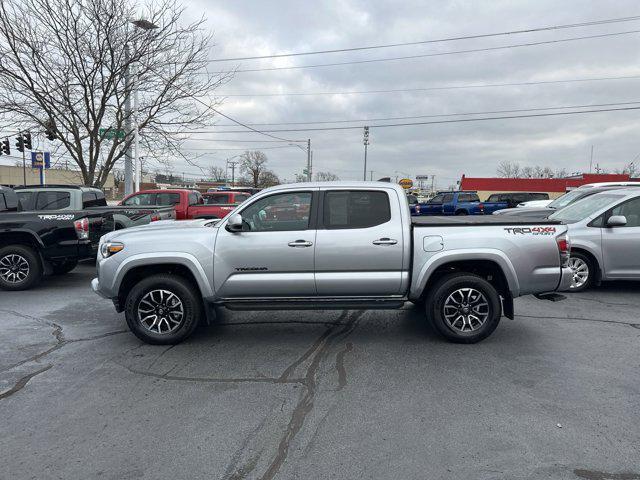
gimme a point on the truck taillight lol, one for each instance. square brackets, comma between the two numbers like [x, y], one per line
[564, 248]
[481, 207]
[418, 209]
[155, 217]
[82, 228]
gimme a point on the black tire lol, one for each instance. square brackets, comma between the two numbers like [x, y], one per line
[462, 212]
[20, 253]
[64, 267]
[446, 286]
[591, 270]
[176, 285]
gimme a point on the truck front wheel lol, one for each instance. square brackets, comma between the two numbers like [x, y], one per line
[163, 309]
[463, 308]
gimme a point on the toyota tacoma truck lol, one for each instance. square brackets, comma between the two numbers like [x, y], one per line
[331, 245]
[71, 197]
[35, 244]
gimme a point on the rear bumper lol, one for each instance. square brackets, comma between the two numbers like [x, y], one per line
[565, 279]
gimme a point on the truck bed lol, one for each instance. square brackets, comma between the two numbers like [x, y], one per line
[467, 220]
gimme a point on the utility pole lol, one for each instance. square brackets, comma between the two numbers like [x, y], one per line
[309, 160]
[371, 175]
[128, 170]
[591, 161]
[366, 144]
[233, 172]
[432, 182]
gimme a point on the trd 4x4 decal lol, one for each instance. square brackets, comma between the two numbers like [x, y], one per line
[531, 230]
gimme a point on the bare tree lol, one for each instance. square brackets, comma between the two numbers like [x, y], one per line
[217, 174]
[268, 179]
[631, 169]
[300, 178]
[326, 177]
[527, 172]
[253, 164]
[63, 65]
[508, 169]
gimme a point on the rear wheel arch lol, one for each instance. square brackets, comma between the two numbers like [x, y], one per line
[490, 270]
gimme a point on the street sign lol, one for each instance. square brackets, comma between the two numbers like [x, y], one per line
[111, 133]
[406, 183]
[422, 177]
[40, 160]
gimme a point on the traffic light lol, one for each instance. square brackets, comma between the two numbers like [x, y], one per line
[20, 143]
[5, 149]
[27, 140]
[50, 129]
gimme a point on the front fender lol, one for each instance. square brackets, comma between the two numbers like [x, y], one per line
[448, 256]
[157, 258]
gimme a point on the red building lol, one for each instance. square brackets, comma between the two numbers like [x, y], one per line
[553, 186]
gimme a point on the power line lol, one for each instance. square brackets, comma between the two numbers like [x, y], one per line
[460, 120]
[378, 119]
[230, 149]
[435, 54]
[440, 40]
[227, 116]
[426, 89]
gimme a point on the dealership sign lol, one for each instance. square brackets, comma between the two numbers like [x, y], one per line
[406, 183]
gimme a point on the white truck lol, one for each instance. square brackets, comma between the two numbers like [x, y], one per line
[330, 245]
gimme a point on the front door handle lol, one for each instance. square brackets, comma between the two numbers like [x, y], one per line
[385, 241]
[300, 243]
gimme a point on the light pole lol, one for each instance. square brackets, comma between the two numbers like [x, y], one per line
[366, 144]
[309, 156]
[129, 115]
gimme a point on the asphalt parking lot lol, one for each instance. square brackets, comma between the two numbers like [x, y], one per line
[310, 395]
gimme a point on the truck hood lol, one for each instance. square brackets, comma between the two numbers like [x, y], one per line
[157, 228]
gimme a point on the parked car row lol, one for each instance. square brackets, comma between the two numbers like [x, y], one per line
[49, 229]
[468, 203]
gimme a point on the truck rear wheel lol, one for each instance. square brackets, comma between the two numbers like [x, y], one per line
[20, 267]
[463, 308]
[162, 309]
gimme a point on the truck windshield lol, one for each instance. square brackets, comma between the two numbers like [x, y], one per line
[566, 199]
[584, 208]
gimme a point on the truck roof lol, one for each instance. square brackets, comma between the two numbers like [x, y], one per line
[53, 186]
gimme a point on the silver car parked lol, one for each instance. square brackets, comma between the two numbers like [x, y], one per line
[605, 237]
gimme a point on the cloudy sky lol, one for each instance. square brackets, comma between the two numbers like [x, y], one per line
[253, 28]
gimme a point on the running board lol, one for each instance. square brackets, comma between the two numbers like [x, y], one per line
[329, 304]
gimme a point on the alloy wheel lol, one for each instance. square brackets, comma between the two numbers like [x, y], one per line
[466, 310]
[160, 311]
[14, 268]
[580, 271]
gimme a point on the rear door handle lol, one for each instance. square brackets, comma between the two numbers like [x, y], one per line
[300, 243]
[385, 241]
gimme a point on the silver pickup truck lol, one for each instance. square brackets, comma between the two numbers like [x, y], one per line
[330, 246]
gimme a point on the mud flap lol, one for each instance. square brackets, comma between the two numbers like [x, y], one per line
[507, 307]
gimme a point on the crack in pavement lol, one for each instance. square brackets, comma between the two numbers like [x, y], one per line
[179, 378]
[634, 325]
[21, 383]
[58, 333]
[306, 401]
[342, 372]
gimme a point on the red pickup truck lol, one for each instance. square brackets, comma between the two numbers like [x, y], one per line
[189, 203]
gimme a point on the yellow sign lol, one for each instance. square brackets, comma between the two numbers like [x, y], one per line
[406, 183]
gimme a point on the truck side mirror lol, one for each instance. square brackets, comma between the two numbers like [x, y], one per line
[234, 224]
[617, 221]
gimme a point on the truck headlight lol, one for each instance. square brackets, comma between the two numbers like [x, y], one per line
[110, 248]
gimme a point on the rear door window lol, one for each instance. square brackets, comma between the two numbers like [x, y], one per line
[216, 198]
[167, 199]
[51, 200]
[141, 200]
[26, 200]
[355, 209]
[447, 198]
